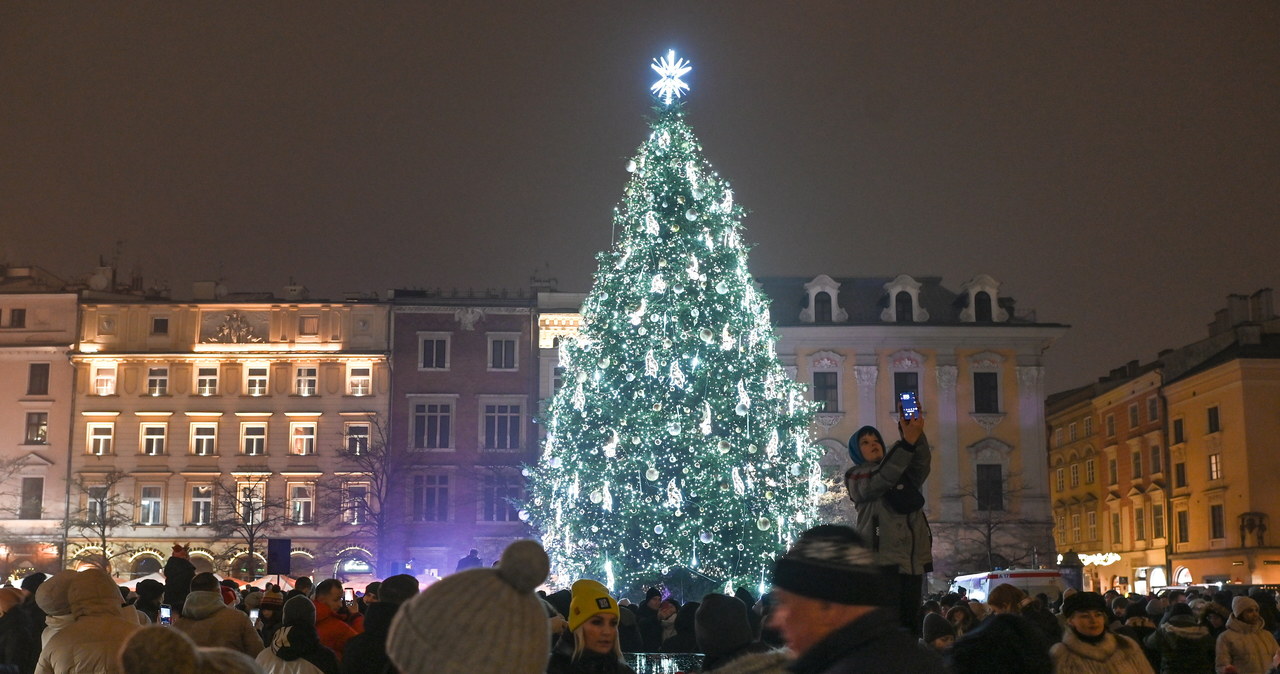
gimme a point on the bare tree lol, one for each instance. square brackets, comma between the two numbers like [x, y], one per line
[245, 513]
[990, 535]
[105, 510]
[371, 476]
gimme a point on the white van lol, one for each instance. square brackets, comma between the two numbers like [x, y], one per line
[1032, 581]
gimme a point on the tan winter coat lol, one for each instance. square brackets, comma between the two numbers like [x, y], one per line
[1246, 647]
[210, 623]
[1115, 654]
[89, 645]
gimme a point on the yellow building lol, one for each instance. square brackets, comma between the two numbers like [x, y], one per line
[1075, 480]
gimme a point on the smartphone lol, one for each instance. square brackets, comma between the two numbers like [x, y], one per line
[348, 595]
[910, 404]
[253, 615]
[166, 615]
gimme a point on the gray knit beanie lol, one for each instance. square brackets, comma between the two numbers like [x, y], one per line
[451, 626]
[299, 611]
[721, 625]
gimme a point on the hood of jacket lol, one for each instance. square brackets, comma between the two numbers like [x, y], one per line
[51, 597]
[1185, 626]
[92, 592]
[294, 642]
[1236, 625]
[202, 604]
[377, 618]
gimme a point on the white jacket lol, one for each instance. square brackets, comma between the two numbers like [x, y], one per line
[1248, 648]
[89, 645]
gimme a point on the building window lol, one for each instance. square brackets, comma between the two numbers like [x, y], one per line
[1091, 521]
[38, 379]
[903, 307]
[308, 326]
[256, 380]
[157, 381]
[252, 502]
[1114, 471]
[37, 429]
[432, 424]
[17, 318]
[1088, 471]
[207, 380]
[982, 307]
[1136, 457]
[302, 438]
[1088, 426]
[1184, 526]
[903, 382]
[822, 308]
[32, 504]
[430, 498]
[1115, 530]
[826, 391]
[358, 438]
[1071, 432]
[1133, 415]
[1157, 520]
[1075, 475]
[502, 353]
[557, 379]
[159, 325]
[1214, 424]
[204, 439]
[1217, 522]
[1215, 466]
[305, 380]
[1075, 528]
[433, 353]
[360, 381]
[990, 486]
[1061, 482]
[104, 380]
[1180, 474]
[1153, 408]
[1157, 464]
[96, 503]
[201, 504]
[355, 504]
[501, 492]
[301, 503]
[986, 393]
[1057, 437]
[253, 439]
[1110, 423]
[1061, 527]
[1179, 436]
[1139, 525]
[100, 438]
[153, 436]
[501, 426]
[151, 507]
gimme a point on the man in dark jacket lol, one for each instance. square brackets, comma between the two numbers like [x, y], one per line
[178, 572]
[366, 653]
[834, 607]
[471, 561]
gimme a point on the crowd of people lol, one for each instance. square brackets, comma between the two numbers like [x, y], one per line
[844, 599]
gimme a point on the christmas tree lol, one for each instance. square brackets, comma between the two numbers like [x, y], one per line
[676, 439]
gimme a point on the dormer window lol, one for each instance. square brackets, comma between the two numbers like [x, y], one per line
[904, 302]
[822, 307]
[983, 305]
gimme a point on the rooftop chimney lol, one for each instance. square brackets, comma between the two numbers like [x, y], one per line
[296, 292]
[1261, 309]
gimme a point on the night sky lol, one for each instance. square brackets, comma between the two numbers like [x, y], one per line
[1115, 165]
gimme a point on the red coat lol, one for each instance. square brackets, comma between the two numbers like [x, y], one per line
[334, 629]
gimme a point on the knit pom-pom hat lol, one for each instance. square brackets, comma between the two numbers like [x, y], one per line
[479, 620]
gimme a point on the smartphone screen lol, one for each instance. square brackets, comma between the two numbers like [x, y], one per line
[910, 404]
[348, 595]
[166, 615]
[253, 615]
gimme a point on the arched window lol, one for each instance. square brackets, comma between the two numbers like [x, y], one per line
[822, 308]
[903, 307]
[144, 565]
[982, 307]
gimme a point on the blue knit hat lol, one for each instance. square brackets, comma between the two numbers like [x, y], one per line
[855, 452]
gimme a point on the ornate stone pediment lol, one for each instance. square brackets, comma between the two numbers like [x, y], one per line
[234, 327]
[987, 421]
[828, 420]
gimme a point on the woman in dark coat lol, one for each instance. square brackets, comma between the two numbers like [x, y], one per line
[1185, 646]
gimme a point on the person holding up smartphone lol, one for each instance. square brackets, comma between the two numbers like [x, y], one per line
[887, 491]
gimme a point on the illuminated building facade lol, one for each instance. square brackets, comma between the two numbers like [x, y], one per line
[198, 404]
[1076, 470]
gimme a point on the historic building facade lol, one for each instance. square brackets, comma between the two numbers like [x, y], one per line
[224, 420]
[463, 405]
[1076, 480]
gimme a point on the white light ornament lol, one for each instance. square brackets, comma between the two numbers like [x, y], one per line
[669, 85]
[651, 223]
[677, 375]
[611, 445]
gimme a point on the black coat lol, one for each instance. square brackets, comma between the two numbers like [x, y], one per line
[562, 661]
[15, 643]
[1001, 643]
[178, 572]
[872, 643]
[366, 653]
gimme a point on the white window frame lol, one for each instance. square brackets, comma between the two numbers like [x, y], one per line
[484, 402]
[1090, 472]
[96, 440]
[1153, 408]
[1215, 466]
[1111, 425]
[1088, 426]
[253, 491]
[352, 512]
[1060, 480]
[168, 324]
[1071, 431]
[145, 438]
[447, 338]
[194, 500]
[1135, 417]
[446, 399]
[1075, 475]
[151, 513]
[257, 385]
[1091, 525]
[359, 384]
[203, 387]
[514, 338]
[302, 510]
[349, 436]
[158, 380]
[104, 377]
[1075, 527]
[303, 320]
[510, 481]
[436, 488]
[306, 379]
[200, 438]
[298, 437]
[245, 437]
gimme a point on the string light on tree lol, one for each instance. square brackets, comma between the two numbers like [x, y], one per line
[652, 456]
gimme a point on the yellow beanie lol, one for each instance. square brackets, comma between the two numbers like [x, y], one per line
[589, 598]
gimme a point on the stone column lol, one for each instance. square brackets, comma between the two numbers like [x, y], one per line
[946, 460]
[866, 376]
[1034, 453]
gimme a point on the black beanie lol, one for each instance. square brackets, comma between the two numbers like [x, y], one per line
[833, 563]
[1083, 601]
[299, 611]
[936, 627]
[721, 625]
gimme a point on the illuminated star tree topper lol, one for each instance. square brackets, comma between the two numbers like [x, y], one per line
[670, 69]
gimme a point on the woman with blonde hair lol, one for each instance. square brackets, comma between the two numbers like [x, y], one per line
[590, 646]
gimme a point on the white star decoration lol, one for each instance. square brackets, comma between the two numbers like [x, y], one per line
[670, 69]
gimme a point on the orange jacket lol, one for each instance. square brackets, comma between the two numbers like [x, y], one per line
[335, 629]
